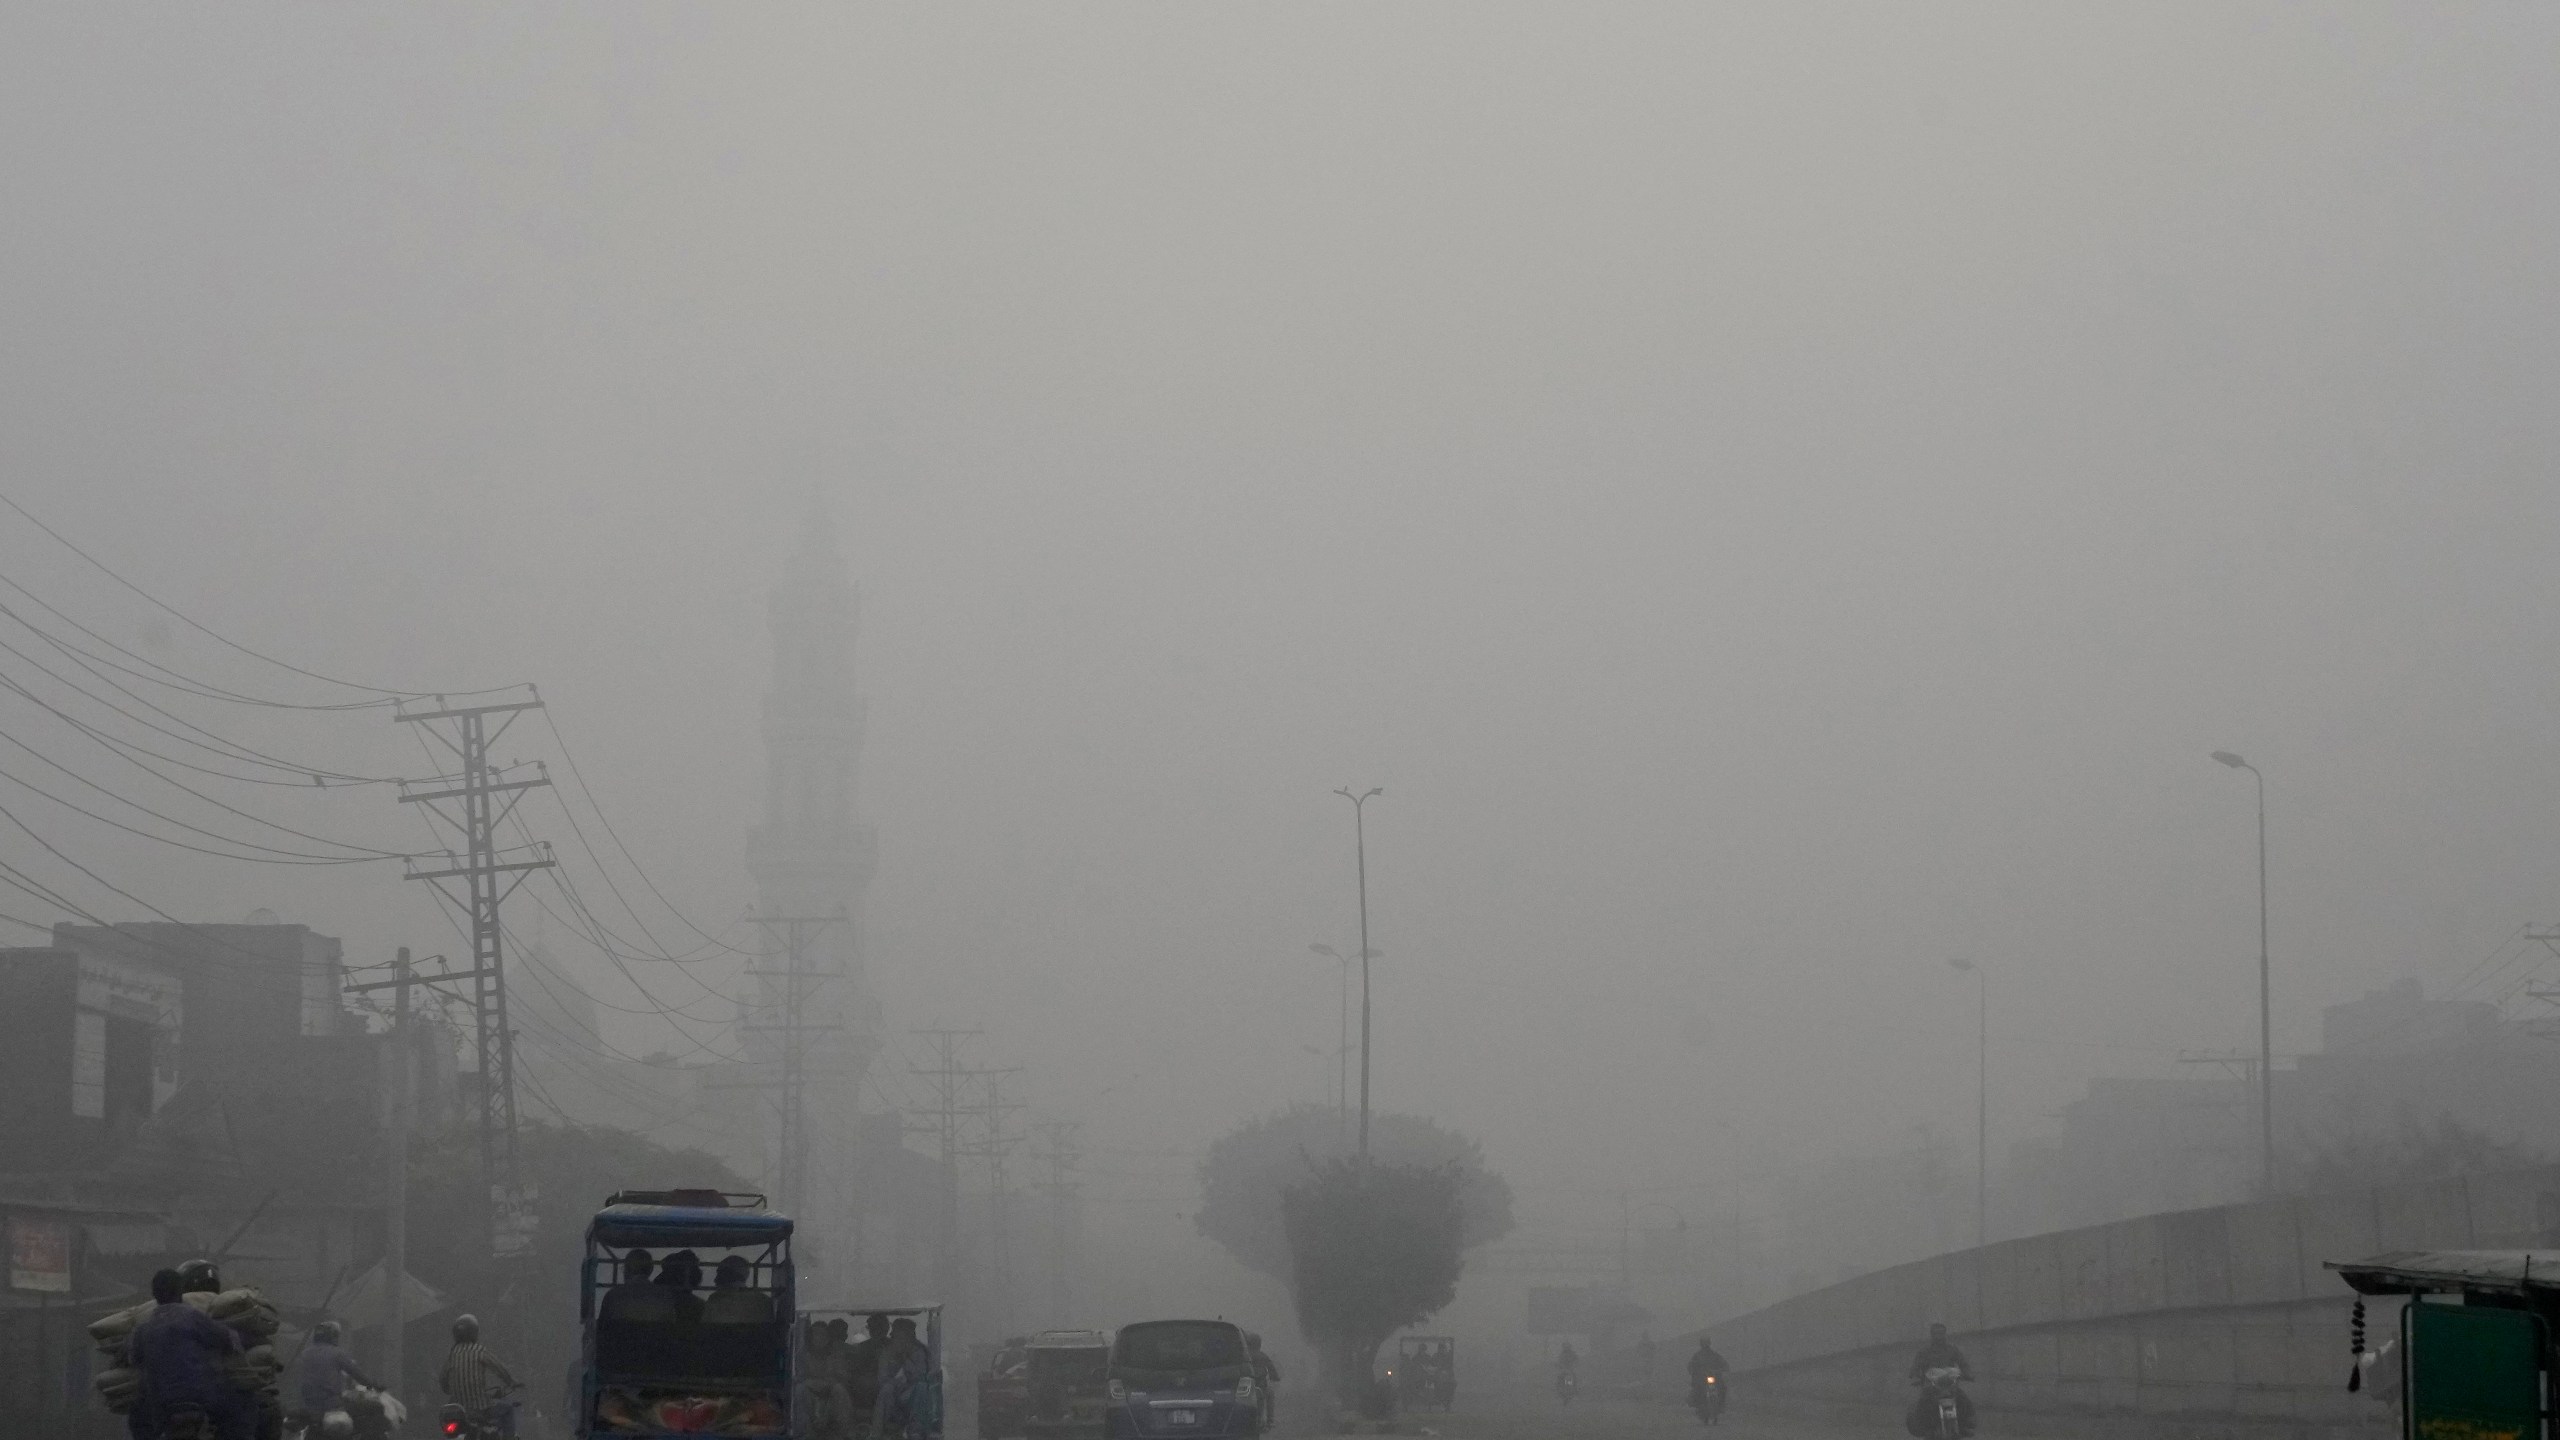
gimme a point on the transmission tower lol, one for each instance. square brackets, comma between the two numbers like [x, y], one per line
[949, 1106]
[995, 1145]
[1058, 1186]
[475, 881]
[799, 981]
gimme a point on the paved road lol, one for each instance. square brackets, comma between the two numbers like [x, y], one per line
[1502, 1417]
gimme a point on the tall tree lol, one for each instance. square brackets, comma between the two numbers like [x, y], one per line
[1364, 1250]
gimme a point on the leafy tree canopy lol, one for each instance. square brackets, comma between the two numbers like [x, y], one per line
[1247, 1173]
[1374, 1249]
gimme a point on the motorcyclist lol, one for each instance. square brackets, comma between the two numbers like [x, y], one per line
[320, 1376]
[1939, 1353]
[1703, 1363]
[1266, 1373]
[183, 1354]
[266, 1406]
[474, 1379]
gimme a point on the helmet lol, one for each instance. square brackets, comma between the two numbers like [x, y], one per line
[198, 1275]
[337, 1424]
[466, 1327]
[327, 1332]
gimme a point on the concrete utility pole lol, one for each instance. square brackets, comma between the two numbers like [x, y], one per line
[1360, 849]
[1981, 1103]
[2266, 992]
[476, 883]
[395, 1198]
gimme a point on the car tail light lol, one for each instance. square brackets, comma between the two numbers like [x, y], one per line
[1244, 1389]
[1115, 1390]
[453, 1427]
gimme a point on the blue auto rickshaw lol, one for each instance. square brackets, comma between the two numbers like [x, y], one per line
[685, 1300]
[903, 1401]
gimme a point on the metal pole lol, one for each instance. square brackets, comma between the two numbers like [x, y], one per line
[1982, 1114]
[2266, 1008]
[1342, 1059]
[2266, 991]
[1360, 845]
[395, 1207]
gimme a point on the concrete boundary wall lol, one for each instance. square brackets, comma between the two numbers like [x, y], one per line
[2224, 1312]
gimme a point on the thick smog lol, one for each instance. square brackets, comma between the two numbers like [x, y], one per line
[1149, 722]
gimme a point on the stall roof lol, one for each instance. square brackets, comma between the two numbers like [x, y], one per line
[686, 1224]
[2405, 1272]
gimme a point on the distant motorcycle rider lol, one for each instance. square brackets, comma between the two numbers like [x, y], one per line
[1703, 1363]
[1939, 1353]
[184, 1357]
[474, 1379]
[320, 1376]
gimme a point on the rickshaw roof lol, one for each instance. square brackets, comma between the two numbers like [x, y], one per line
[686, 1225]
[2409, 1272]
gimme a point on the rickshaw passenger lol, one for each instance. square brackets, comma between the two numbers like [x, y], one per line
[635, 1299]
[904, 1370]
[731, 1302]
[823, 1401]
[862, 1366]
[677, 1275]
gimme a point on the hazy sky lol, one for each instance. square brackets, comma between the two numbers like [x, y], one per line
[1779, 496]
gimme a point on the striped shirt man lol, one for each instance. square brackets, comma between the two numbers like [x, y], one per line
[472, 1376]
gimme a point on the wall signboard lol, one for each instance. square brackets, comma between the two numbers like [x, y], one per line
[39, 1254]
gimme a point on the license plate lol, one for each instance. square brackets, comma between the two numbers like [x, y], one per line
[1182, 1417]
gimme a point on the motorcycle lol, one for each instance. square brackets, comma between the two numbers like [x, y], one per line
[1567, 1383]
[365, 1414]
[1940, 1407]
[473, 1422]
[1707, 1399]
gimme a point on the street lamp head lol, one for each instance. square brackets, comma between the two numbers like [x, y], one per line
[1326, 950]
[2227, 758]
[1961, 963]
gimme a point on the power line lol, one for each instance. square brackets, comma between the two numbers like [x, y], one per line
[192, 623]
[285, 857]
[578, 775]
[174, 679]
[189, 789]
[212, 741]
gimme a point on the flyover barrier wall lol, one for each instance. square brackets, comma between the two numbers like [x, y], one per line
[2196, 1315]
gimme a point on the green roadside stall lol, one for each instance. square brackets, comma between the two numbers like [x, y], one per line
[2474, 1350]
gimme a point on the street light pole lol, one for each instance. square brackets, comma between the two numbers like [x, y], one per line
[1342, 1044]
[1360, 844]
[1981, 1102]
[2266, 992]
